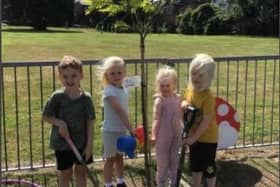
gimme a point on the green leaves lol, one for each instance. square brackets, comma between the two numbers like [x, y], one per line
[147, 6]
[112, 7]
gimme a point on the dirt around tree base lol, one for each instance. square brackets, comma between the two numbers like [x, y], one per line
[247, 167]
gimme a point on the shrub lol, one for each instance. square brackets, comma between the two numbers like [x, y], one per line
[121, 27]
[200, 17]
[185, 22]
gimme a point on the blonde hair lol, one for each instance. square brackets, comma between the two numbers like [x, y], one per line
[70, 61]
[205, 65]
[164, 73]
[107, 64]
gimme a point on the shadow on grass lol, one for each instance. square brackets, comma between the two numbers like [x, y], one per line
[136, 174]
[234, 174]
[30, 30]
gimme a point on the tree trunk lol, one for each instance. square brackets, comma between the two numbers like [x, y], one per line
[147, 154]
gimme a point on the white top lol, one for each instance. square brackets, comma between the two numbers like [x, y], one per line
[112, 121]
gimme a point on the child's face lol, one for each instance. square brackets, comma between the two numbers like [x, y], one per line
[198, 80]
[166, 87]
[70, 78]
[115, 76]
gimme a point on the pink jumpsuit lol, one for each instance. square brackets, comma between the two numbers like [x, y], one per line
[168, 139]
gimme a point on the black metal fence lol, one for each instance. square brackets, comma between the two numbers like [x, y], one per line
[250, 84]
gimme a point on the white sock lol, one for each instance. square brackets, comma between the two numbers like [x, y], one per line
[120, 180]
[108, 184]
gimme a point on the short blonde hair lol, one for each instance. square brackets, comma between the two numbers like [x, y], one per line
[107, 64]
[205, 65]
[164, 73]
[70, 61]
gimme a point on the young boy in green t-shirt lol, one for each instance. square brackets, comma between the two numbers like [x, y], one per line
[71, 112]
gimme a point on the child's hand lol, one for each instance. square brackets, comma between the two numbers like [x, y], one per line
[87, 152]
[63, 129]
[131, 132]
[184, 104]
[153, 141]
[189, 141]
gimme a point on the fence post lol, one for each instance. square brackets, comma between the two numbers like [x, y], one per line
[1, 75]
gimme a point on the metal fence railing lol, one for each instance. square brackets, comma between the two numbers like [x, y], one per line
[250, 84]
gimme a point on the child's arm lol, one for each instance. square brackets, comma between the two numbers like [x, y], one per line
[62, 127]
[90, 140]
[184, 104]
[121, 113]
[156, 119]
[154, 131]
[204, 124]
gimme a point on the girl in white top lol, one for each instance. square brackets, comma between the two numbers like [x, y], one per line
[116, 121]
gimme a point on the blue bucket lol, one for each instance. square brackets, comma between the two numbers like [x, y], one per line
[127, 144]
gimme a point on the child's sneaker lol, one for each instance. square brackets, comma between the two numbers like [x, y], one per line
[121, 185]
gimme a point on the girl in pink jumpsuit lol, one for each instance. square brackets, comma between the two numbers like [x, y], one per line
[167, 126]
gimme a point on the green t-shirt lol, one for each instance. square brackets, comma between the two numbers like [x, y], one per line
[75, 113]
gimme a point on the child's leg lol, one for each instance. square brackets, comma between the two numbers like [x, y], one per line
[64, 177]
[211, 170]
[196, 179]
[64, 161]
[211, 182]
[174, 160]
[108, 169]
[119, 166]
[120, 171]
[81, 175]
[162, 167]
[110, 153]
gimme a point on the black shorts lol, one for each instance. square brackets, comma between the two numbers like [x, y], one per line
[202, 158]
[66, 159]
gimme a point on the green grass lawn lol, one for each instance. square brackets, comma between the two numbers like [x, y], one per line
[22, 44]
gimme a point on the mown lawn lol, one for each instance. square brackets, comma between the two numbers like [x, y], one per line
[23, 44]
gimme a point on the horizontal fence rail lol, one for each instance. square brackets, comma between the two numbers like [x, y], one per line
[250, 84]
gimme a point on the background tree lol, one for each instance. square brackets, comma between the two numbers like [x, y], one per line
[205, 19]
[14, 11]
[200, 17]
[142, 13]
[38, 13]
[255, 16]
[249, 17]
[60, 12]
